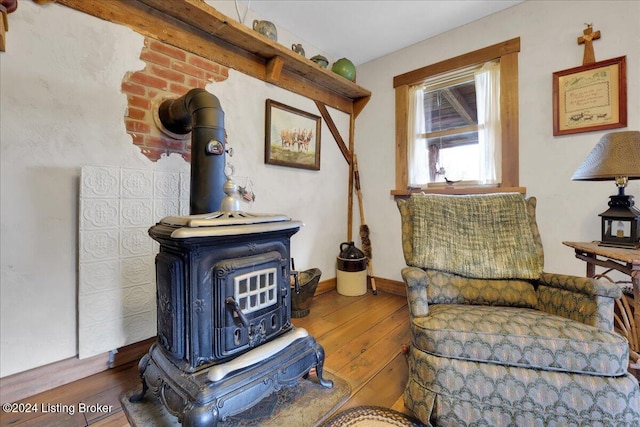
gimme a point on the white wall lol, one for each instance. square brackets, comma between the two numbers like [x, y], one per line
[548, 31]
[61, 107]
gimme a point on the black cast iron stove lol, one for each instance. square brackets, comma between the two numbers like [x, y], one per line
[225, 338]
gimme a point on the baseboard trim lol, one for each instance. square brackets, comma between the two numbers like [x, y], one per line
[37, 380]
[43, 378]
[132, 352]
[326, 286]
[389, 286]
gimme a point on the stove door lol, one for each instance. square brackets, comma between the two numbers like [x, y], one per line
[252, 293]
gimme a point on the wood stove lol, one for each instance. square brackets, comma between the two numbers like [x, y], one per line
[231, 277]
[225, 338]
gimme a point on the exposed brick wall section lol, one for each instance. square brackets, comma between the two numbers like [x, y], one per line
[169, 73]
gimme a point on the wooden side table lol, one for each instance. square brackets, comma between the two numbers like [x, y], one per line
[626, 261]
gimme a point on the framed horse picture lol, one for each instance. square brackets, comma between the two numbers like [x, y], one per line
[292, 137]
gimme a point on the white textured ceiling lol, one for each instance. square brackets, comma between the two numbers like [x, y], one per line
[363, 30]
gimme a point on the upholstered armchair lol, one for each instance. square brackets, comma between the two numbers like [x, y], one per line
[495, 340]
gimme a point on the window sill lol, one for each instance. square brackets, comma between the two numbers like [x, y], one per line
[459, 190]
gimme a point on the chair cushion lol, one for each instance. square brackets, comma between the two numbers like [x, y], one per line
[406, 213]
[521, 337]
[448, 288]
[479, 236]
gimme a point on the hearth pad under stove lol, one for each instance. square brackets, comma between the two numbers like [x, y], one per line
[225, 338]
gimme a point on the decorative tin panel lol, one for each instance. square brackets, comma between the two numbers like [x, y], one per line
[116, 255]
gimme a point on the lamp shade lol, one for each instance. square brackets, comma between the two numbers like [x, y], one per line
[617, 154]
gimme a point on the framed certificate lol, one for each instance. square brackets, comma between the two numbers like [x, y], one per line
[590, 97]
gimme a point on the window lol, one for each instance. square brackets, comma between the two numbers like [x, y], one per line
[454, 129]
[457, 122]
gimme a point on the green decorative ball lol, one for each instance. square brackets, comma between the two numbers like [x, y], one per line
[344, 68]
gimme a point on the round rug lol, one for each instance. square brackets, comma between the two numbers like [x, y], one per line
[372, 416]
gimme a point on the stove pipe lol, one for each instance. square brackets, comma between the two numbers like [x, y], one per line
[200, 113]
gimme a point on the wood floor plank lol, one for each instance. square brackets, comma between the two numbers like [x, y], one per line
[355, 348]
[362, 305]
[49, 410]
[320, 320]
[350, 330]
[360, 370]
[116, 420]
[328, 317]
[385, 387]
[399, 406]
[317, 327]
[103, 388]
[325, 304]
[69, 418]
[107, 401]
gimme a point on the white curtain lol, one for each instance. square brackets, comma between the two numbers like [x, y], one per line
[418, 154]
[489, 132]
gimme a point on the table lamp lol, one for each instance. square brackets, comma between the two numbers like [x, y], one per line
[616, 157]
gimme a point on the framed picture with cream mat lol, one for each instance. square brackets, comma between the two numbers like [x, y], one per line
[292, 137]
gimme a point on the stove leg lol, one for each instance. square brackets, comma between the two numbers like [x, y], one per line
[142, 367]
[319, 367]
[135, 398]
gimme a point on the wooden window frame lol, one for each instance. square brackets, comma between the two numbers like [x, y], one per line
[507, 53]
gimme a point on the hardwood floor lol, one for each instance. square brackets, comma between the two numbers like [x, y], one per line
[362, 337]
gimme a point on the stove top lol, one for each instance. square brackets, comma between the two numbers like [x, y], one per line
[224, 223]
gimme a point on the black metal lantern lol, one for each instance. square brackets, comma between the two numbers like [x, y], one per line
[616, 157]
[620, 223]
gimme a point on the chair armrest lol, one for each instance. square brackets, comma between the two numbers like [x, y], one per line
[583, 299]
[416, 280]
[583, 285]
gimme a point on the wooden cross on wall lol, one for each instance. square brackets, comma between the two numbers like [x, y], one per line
[587, 39]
